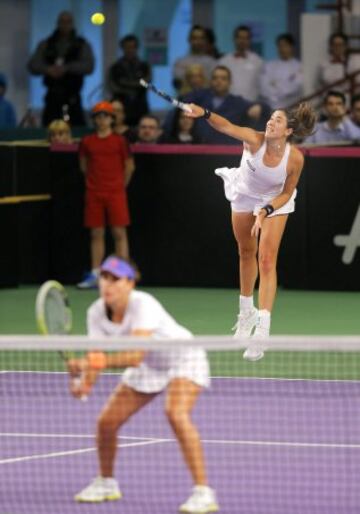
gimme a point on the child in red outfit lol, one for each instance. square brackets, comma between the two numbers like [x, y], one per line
[106, 161]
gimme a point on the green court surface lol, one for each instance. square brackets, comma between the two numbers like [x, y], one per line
[213, 311]
[204, 311]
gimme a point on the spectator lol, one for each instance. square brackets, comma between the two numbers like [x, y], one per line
[124, 76]
[7, 111]
[218, 99]
[337, 127]
[59, 132]
[194, 79]
[211, 48]
[149, 130]
[281, 82]
[355, 112]
[338, 64]
[198, 48]
[107, 164]
[119, 126]
[63, 59]
[182, 130]
[245, 65]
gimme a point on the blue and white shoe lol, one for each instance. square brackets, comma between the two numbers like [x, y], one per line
[90, 281]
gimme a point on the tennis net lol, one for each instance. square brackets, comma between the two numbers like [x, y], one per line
[280, 436]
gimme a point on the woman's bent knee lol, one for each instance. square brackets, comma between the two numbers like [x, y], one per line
[177, 417]
[106, 425]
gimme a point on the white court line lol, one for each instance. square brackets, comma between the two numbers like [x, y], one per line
[69, 436]
[275, 379]
[150, 440]
[284, 443]
[74, 452]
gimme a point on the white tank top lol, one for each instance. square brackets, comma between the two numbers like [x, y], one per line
[258, 180]
[144, 312]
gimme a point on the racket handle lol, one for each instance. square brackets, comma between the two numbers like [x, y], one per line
[182, 105]
[77, 382]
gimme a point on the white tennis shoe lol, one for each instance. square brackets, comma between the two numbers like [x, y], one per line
[246, 322]
[100, 490]
[201, 501]
[255, 350]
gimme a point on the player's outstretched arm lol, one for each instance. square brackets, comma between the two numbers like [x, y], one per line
[221, 124]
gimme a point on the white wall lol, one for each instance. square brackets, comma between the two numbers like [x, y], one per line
[315, 31]
[14, 50]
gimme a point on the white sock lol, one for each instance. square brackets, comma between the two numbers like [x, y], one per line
[95, 271]
[109, 480]
[264, 319]
[246, 302]
[202, 488]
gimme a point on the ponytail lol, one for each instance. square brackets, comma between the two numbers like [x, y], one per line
[302, 120]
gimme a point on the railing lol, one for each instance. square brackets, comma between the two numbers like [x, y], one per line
[339, 6]
[350, 78]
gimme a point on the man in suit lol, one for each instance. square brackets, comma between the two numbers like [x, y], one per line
[217, 98]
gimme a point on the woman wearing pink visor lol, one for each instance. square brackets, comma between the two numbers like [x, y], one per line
[122, 310]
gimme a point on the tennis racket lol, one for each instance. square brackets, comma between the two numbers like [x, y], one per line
[54, 317]
[165, 96]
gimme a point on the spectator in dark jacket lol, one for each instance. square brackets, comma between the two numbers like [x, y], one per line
[148, 130]
[63, 59]
[218, 99]
[124, 76]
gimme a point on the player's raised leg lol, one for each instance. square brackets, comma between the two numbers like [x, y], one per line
[248, 271]
[270, 239]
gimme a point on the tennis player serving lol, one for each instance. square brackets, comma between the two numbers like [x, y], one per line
[262, 193]
[183, 373]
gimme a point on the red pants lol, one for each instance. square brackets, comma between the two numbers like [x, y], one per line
[106, 208]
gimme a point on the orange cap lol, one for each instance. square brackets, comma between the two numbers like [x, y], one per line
[103, 107]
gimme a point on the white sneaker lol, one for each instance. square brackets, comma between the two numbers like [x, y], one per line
[247, 320]
[202, 500]
[255, 351]
[100, 490]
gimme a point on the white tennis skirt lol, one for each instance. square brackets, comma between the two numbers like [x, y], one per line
[245, 203]
[192, 365]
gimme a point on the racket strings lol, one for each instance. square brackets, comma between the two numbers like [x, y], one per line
[57, 314]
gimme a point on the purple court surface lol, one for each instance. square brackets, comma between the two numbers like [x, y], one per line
[271, 446]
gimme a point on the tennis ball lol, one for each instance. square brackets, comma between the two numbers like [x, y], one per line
[98, 18]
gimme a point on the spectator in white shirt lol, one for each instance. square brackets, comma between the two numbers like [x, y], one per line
[338, 64]
[337, 127]
[245, 65]
[281, 82]
[198, 40]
